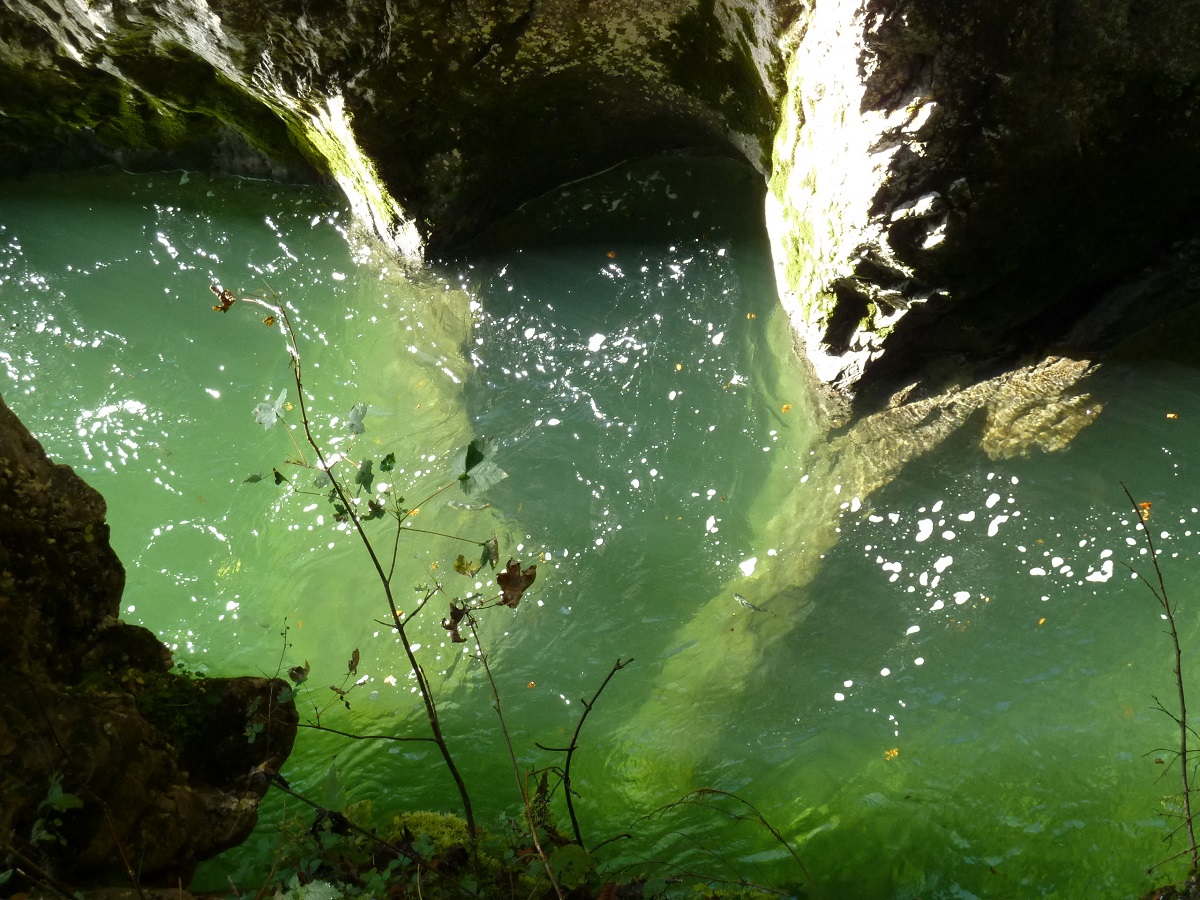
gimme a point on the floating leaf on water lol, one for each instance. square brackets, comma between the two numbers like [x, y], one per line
[279, 479]
[225, 296]
[1172, 415]
[352, 666]
[267, 414]
[269, 321]
[354, 418]
[387, 463]
[891, 754]
[513, 582]
[299, 674]
[787, 407]
[462, 567]
[1144, 510]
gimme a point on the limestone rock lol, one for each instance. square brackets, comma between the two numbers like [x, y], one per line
[107, 759]
[432, 118]
[960, 182]
[953, 185]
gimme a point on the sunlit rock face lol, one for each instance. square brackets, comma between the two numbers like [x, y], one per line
[433, 117]
[105, 755]
[955, 184]
[952, 184]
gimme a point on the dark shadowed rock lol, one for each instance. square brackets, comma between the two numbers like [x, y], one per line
[107, 759]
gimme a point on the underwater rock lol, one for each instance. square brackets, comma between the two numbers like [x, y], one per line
[108, 761]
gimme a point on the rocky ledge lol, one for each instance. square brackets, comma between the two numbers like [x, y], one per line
[110, 763]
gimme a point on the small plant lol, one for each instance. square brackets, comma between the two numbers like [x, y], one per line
[1179, 715]
[412, 857]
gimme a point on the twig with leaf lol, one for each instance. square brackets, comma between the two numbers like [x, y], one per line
[477, 473]
[1159, 589]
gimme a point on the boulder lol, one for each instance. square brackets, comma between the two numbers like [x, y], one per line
[110, 764]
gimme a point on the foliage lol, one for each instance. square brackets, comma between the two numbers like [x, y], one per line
[335, 848]
[340, 850]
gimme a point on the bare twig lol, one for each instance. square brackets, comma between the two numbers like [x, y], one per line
[537, 844]
[696, 798]
[574, 745]
[1160, 594]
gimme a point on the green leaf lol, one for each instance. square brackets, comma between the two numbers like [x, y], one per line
[654, 887]
[572, 865]
[477, 451]
[491, 552]
[354, 418]
[365, 477]
[387, 463]
[333, 793]
[267, 414]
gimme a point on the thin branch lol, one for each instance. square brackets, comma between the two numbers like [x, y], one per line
[1182, 720]
[574, 745]
[694, 799]
[366, 737]
[384, 577]
[537, 844]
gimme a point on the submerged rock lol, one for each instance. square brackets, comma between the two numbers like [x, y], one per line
[109, 762]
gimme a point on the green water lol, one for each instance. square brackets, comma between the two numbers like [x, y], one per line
[960, 704]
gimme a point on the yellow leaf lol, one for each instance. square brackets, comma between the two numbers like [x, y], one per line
[891, 754]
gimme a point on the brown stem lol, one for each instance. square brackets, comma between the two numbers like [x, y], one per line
[385, 581]
[1169, 612]
[537, 844]
[574, 745]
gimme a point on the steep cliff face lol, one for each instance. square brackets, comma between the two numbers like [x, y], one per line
[955, 184]
[432, 117]
[952, 183]
[104, 754]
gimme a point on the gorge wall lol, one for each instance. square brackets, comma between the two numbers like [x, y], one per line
[953, 185]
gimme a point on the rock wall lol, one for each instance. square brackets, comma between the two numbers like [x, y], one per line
[952, 183]
[107, 760]
[956, 184]
[432, 117]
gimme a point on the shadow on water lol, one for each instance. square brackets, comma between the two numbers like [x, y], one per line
[933, 685]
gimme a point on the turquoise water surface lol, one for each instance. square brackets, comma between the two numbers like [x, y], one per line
[960, 704]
